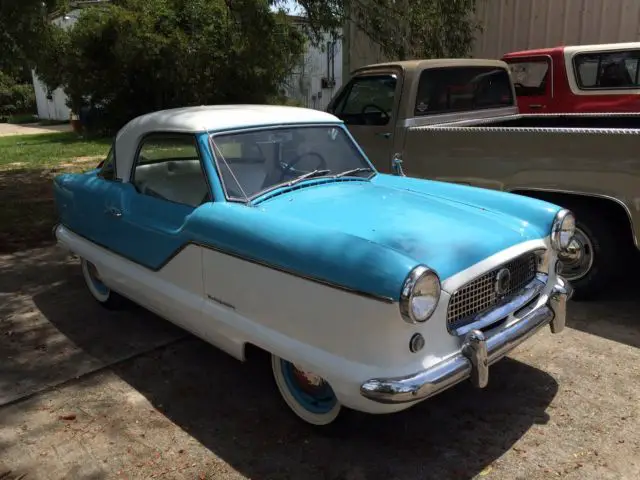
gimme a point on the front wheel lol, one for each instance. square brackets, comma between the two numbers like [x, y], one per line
[309, 396]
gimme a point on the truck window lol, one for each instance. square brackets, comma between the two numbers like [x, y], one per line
[368, 100]
[607, 70]
[460, 89]
[530, 78]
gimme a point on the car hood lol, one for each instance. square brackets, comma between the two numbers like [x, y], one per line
[446, 234]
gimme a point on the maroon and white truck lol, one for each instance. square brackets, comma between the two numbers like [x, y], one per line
[601, 78]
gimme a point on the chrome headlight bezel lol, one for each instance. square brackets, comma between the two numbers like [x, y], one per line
[559, 227]
[416, 278]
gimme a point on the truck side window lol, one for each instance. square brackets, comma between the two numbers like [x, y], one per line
[368, 100]
[462, 89]
[530, 77]
[607, 70]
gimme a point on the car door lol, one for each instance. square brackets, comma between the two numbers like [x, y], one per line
[533, 81]
[368, 106]
[152, 225]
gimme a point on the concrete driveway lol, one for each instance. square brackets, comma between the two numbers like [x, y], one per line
[93, 394]
[7, 129]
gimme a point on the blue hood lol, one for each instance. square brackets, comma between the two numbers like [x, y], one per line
[444, 233]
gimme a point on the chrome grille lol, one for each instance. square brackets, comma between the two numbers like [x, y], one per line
[480, 294]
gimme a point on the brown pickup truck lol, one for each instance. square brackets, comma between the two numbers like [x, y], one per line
[457, 121]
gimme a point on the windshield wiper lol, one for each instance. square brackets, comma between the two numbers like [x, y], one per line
[352, 171]
[313, 173]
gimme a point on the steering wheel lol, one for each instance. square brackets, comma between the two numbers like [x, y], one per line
[375, 107]
[322, 164]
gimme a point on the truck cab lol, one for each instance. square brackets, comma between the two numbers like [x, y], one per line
[577, 79]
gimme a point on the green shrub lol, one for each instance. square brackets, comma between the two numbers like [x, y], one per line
[126, 59]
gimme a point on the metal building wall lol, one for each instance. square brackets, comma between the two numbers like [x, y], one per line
[510, 25]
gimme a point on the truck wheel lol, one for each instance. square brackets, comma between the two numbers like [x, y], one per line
[590, 263]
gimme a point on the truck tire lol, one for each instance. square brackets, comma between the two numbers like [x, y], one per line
[591, 265]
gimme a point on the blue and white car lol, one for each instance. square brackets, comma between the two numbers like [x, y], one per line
[267, 226]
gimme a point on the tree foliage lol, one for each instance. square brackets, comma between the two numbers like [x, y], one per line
[404, 29]
[24, 33]
[135, 56]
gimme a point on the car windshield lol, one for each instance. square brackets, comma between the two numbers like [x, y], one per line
[254, 162]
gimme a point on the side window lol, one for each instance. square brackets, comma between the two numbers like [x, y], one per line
[531, 77]
[168, 166]
[607, 70]
[462, 89]
[108, 170]
[368, 100]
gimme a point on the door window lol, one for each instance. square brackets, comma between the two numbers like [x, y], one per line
[531, 77]
[368, 100]
[462, 89]
[168, 166]
[607, 70]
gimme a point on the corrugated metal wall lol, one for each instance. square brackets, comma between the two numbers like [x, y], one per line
[510, 25]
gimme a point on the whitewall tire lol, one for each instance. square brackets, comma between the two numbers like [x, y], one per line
[99, 291]
[310, 397]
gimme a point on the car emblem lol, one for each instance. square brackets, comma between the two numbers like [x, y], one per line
[503, 282]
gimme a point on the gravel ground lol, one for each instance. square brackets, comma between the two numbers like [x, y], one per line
[87, 394]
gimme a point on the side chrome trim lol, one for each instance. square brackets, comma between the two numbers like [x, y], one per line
[477, 352]
[238, 256]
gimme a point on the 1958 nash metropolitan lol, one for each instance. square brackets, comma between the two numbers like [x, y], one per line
[268, 226]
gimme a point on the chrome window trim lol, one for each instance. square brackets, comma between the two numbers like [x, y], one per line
[337, 124]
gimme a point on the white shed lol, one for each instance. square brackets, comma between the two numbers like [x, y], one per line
[53, 106]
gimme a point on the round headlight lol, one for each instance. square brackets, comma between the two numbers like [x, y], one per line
[562, 230]
[420, 295]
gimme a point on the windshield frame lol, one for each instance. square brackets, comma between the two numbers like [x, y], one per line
[250, 198]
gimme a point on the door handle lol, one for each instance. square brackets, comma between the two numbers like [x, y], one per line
[536, 106]
[384, 135]
[114, 212]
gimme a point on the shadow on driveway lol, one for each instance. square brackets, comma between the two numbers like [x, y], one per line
[234, 410]
[616, 315]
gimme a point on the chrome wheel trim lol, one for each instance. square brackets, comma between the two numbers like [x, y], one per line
[292, 399]
[578, 260]
[92, 278]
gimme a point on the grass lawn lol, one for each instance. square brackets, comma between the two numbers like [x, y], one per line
[28, 164]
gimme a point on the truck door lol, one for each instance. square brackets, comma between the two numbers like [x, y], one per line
[533, 81]
[368, 107]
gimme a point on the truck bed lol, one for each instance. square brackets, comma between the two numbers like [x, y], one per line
[587, 154]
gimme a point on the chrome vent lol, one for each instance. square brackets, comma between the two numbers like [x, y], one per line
[480, 294]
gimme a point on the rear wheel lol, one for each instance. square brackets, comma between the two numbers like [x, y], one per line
[309, 396]
[103, 294]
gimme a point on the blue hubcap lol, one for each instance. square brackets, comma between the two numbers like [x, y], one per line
[315, 396]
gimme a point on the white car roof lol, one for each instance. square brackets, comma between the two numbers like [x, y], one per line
[208, 118]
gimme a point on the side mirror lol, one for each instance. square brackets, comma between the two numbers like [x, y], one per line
[396, 165]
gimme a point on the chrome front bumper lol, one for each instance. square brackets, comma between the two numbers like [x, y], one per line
[478, 351]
